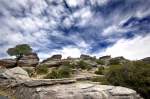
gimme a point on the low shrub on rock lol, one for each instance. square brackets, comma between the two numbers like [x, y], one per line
[42, 69]
[100, 71]
[83, 65]
[135, 75]
[114, 61]
[102, 80]
[29, 71]
[69, 65]
[63, 72]
[101, 62]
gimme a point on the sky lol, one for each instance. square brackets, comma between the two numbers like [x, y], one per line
[74, 27]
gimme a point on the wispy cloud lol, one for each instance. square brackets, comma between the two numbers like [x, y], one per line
[72, 26]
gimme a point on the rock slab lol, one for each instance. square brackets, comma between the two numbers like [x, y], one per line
[76, 91]
[29, 60]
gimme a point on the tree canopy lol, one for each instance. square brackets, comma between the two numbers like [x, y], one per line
[19, 50]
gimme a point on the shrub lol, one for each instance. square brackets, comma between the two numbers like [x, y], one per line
[100, 71]
[135, 75]
[100, 62]
[29, 71]
[63, 72]
[52, 75]
[69, 65]
[114, 61]
[43, 69]
[83, 65]
[102, 80]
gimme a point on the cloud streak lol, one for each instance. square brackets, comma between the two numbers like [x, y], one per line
[83, 26]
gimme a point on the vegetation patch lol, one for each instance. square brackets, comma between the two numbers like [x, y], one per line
[83, 65]
[102, 80]
[29, 71]
[42, 69]
[100, 71]
[101, 62]
[134, 75]
[63, 72]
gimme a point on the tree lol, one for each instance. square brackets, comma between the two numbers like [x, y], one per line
[19, 51]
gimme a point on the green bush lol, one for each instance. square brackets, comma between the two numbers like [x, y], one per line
[29, 71]
[100, 62]
[135, 75]
[114, 61]
[63, 72]
[69, 65]
[100, 71]
[83, 65]
[43, 69]
[102, 80]
[52, 75]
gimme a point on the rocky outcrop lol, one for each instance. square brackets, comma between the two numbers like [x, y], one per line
[57, 56]
[146, 60]
[53, 61]
[118, 60]
[8, 63]
[75, 91]
[27, 88]
[12, 77]
[105, 59]
[29, 60]
[16, 73]
[86, 57]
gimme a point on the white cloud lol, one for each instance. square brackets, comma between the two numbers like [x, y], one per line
[74, 3]
[71, 51]
[136, 48]
[99, 2]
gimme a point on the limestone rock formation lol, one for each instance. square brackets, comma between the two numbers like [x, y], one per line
[75, 91]
[53, 61]
[27, 88]
[105, 59]
[12, 77]
[16, 73]
[57, 56]
[8, 63]
[146, 60]
[83, 56]
[118, 60]
[29, 60]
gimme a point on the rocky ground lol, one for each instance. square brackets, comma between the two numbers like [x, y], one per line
[23, 87]
[18, 83]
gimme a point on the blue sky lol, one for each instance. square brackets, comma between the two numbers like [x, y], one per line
[74, 27]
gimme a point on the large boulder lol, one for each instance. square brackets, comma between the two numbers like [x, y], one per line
[16, 73]
[8, 63]
[53, 61]
[86, 57]
[74, 91]
[29, 60]
[105, 59]
[13, 77]
[56, 57]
